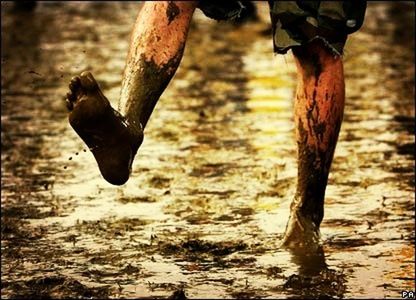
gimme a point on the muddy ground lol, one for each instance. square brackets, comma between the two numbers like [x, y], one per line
[208, 200]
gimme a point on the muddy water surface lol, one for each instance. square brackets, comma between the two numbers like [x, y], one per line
[208, 200]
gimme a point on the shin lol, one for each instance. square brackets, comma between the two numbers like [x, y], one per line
[156, 48]
[319, 107]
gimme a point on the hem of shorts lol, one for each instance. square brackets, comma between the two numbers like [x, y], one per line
[236, 14]
[228, 18]
[280, 50]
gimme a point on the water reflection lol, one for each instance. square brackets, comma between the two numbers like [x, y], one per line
[314, 278]
[309, 262]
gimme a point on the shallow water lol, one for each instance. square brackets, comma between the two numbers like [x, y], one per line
[208, 200]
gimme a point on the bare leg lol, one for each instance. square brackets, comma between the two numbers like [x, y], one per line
[319, 110]
[156, 48]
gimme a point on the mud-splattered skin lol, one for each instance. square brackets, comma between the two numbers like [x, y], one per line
[107, 134]
[172, 11]
[146, 85]
[319, 108]
[156, 48]
[155, 52]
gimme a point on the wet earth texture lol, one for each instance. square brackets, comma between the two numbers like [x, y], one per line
[208, 200]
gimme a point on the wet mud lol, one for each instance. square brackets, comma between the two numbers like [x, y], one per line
[208, 201]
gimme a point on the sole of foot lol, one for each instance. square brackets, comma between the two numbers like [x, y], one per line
[111, 139]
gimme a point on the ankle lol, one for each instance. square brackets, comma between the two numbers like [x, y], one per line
[301, 232]
[308, 207]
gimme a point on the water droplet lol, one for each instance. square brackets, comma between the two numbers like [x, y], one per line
[351, 23]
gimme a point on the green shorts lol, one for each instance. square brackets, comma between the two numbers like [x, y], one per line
[295, 23]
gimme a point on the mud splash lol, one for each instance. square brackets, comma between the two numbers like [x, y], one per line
[205, 209]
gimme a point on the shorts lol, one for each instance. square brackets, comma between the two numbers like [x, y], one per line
[296, 23]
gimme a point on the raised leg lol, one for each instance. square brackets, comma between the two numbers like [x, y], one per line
[156, 48]
[319, 107]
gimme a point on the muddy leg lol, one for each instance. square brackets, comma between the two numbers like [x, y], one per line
[319, 109]
[156, 48]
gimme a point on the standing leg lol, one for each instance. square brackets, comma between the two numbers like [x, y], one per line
[156, 48]
[319, 110]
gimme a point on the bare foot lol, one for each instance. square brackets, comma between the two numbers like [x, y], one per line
[301, 232]
[112, 140]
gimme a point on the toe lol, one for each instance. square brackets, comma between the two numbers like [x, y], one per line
[74, 84]
[70, 97]
[87, 81]
[75, 79]
[69, 105]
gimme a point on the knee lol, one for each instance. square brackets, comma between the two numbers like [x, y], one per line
[314, 48]
[315, 57]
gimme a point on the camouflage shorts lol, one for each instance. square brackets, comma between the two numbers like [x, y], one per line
[296, 23]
